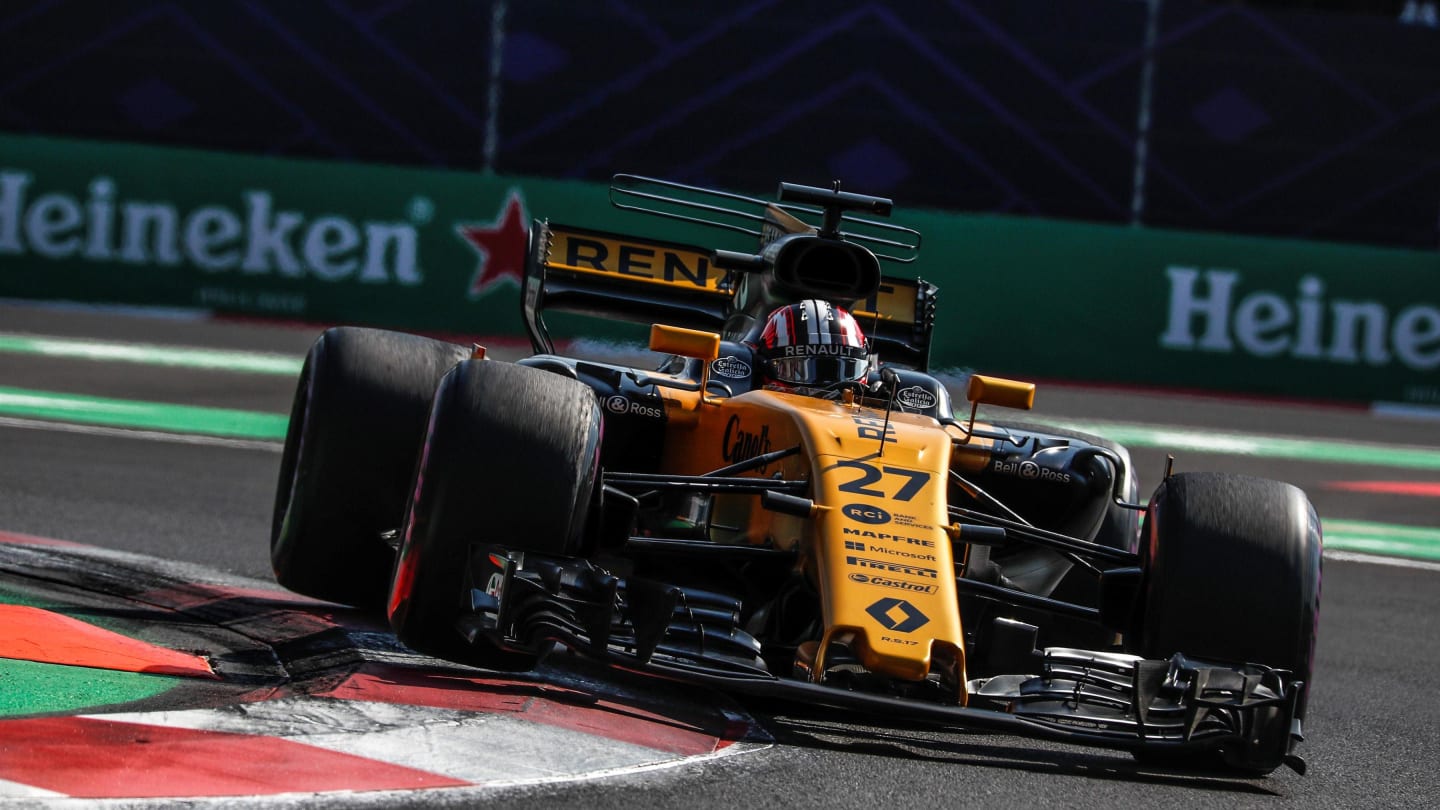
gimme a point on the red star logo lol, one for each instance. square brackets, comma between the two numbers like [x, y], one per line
[501, 245]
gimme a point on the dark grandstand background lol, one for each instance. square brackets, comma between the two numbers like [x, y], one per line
[1315, 120]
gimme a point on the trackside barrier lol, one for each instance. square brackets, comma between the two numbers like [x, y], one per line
[442, 251]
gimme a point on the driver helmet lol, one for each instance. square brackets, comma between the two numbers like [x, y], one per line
[810, 347]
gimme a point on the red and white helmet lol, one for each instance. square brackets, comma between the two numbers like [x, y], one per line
[809, 347]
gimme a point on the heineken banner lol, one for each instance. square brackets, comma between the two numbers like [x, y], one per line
[321, 241]
[1187, 310]
[442, 252]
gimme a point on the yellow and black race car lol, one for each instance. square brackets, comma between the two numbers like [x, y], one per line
[787, 506]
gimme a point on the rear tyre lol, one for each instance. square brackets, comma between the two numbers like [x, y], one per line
[355, 428]
[510, 458]
[1231, 574]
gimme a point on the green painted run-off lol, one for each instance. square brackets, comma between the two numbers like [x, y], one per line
[177, 356]
[142, 415]
[31, 687]
[36, 688]
[1417, 542]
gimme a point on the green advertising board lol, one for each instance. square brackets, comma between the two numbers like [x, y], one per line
[318, 241]
[1185, 310]
[442, 251]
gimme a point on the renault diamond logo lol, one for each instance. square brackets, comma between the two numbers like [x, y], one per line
[897, 615]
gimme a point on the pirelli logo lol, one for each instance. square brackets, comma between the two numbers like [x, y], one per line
[890, 567]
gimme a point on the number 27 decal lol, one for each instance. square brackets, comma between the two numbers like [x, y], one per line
[870, 475]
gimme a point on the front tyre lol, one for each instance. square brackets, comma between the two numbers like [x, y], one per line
[1231, 574]
[510, 458]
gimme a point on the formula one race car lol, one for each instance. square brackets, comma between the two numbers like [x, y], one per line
[787, 507]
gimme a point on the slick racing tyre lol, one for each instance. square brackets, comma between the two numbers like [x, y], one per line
[1231, 574]
[355, 430]
[510, 458]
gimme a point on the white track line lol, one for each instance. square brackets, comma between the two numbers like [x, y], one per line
[1375, 559]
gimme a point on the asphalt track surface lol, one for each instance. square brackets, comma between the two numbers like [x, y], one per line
[1373, 734]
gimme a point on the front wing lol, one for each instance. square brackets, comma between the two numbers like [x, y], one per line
[1246, 712]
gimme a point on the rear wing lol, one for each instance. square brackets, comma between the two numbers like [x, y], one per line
[799, 209]
[615, 276]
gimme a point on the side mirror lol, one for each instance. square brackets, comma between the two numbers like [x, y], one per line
[1000, 392]
[995, 391]
[684, 342]
[688, 343]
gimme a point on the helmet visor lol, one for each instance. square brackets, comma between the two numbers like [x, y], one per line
[818, 370]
